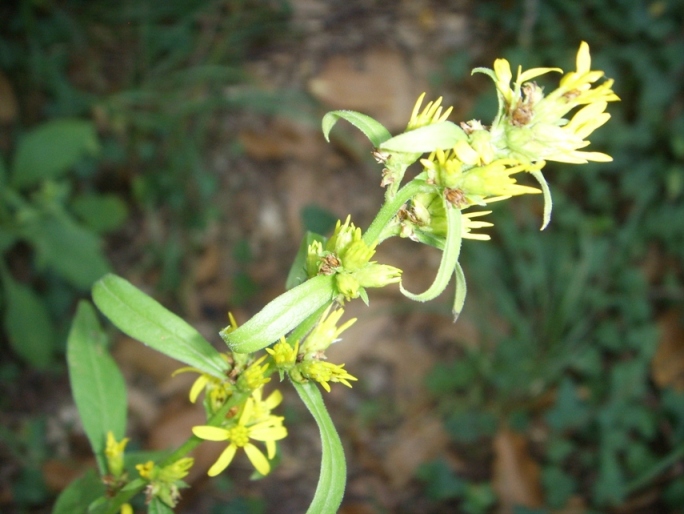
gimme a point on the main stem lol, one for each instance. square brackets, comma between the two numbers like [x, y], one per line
[391, 208]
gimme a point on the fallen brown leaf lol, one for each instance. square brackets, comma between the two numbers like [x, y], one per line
[667, 365]
[516, 475]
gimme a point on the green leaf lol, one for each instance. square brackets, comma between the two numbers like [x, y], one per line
[297, 274]
[452, 249]
[79, 494]
[28, 324]
[157, 506]
[113, 505]
[373, 130]
[101, 213]
[441, 135]
[333, 477]
[51, 149]
[461, 290]
[281, 315]
[548, 202]
[70, 249]
[143, 318]
[97, 384]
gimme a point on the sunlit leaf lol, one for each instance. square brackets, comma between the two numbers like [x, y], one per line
[373, 130]
[97, 384]
[281, 315]
[143, 318]
[443, 135]
[333, 476]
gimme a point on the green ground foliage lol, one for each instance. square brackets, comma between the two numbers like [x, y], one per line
[576, 307]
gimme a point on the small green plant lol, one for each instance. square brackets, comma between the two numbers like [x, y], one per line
[51, 229]
[463, 167]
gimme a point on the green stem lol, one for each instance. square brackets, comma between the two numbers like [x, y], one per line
[656, 470]
[390, 209]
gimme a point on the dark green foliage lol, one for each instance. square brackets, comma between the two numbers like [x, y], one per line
[577, 309]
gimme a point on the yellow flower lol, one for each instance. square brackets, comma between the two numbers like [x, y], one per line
[324, 372]
[430, 115]
[239, 435]
[533, 127]
[284, 355]
[254, 376]
[263, 408]
[165, 482]
[126, 508]
[468, 225]
[325, 332]
[114, 453]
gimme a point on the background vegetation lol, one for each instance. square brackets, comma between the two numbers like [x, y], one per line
[108, 111]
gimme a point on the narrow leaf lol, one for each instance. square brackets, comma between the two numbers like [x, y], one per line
[97, 385]
[51, 149]
[28, 324]
[460, 294]
[333, 477]
[79, 494]
[441, 135]
[373, 130]
[548, 203]
[113, 505]
[452, 249]
[297, 274]
[281, 315]
[157, 506]
[143, 318]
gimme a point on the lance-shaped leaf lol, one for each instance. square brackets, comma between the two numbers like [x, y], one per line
[281, 315]
[333, 476]
[79, 494]
[373, 130]
[461, 290]
[441, 135]
[97, 384]
[143, 318]
[548, 203]
[452, 249]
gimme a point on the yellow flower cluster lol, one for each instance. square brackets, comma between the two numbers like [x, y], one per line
[530, 129]
[255, 422]
[347, 256]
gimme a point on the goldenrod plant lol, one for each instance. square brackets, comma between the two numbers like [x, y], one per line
[463, 168]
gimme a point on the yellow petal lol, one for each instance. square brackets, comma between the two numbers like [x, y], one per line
[210, 433]
[583, 58]
[258, 459]
[270, 449]
[198, 387]
[502, 69]
[223, 461]
[274, 399]
[535, 72]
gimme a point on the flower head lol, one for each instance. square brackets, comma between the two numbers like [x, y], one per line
[114, 451]
[347, 256]
[239, 434]
[532, 126]
[283, 355]
[325, 333]
[428, 116]
[164, 482]
[254, 376]
[324, 372]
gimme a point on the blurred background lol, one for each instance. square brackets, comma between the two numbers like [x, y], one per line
[178, 144]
